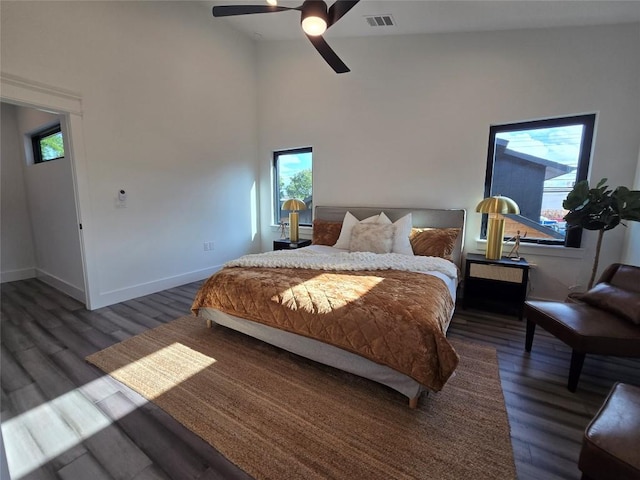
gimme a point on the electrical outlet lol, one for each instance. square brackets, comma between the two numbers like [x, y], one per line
[206, 246]
[211, 246]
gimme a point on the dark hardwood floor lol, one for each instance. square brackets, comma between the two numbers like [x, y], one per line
[63, 418]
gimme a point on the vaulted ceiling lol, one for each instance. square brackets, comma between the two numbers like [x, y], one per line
[432, 16]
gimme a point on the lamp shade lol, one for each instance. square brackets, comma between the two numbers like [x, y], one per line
[314, 17]
[294, 204]
[498, 204]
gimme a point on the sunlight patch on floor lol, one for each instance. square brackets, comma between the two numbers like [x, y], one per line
[37, 436]
[164, 369]
[59, 426]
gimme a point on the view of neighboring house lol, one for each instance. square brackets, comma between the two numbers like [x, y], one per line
[523, 178]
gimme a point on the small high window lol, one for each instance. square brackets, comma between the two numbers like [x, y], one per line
[536, 164]
[47, 144]
[293, 179]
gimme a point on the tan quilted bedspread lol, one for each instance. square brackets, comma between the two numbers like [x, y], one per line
[394, 318]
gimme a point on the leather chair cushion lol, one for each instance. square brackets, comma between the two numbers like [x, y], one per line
[612, 440]
[585, 328]
[616, 300]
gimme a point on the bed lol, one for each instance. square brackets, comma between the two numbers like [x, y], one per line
[379, 315]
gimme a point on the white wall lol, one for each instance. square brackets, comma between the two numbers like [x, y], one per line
[17, 255]
[409, 125]
[631, 254]
[168, 114]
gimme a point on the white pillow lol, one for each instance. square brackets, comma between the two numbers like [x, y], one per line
[347, 225]
[401, 243]
[371, 237]
[382, 218]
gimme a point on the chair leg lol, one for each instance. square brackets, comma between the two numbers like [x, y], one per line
[577, 360]
[531, 329]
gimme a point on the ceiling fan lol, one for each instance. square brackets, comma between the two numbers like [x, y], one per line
[315, 19]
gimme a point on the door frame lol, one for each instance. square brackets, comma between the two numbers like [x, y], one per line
[28, 93]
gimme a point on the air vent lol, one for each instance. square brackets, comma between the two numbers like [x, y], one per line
[380, 20]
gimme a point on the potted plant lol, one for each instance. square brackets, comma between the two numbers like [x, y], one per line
[600, 209]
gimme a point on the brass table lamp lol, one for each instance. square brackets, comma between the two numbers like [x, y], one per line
[496, 207]
[293, 205]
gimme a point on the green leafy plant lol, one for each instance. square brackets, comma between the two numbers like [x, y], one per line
[600, 209]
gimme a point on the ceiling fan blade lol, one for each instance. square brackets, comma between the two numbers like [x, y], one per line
[230, 10]
[338, 9]
[328, 54]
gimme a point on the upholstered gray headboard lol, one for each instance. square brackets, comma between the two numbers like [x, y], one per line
[421, 217]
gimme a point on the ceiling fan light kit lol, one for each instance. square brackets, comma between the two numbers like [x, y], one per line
[315, 19]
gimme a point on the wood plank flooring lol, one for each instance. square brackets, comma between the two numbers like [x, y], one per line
[63, 418]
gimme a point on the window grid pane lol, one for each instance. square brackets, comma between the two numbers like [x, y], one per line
[536, 164]
[48, 144]
[293, 179]
[51, 147]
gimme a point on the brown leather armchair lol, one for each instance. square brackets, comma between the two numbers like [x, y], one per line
[604, 321]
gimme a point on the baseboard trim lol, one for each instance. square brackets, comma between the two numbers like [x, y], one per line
[62, 285]
[123, 294]
[16, 275]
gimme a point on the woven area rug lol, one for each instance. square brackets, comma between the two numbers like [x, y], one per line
[279, 416]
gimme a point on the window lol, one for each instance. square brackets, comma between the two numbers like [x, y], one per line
[293, 179]
[47, 144]
[536, 164]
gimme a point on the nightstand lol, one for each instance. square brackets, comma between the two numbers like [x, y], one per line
[495, 285]
[286, 244]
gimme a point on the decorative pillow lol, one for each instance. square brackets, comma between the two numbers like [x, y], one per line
[434, 242]
[383, 219]
[347, 225]
[401, 243]
[371, 237]
[325, 232]
[616, 300]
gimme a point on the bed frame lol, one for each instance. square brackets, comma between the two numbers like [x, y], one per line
[328, 354]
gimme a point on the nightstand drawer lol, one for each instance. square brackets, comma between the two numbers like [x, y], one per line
[497, 285]
[496, 272]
